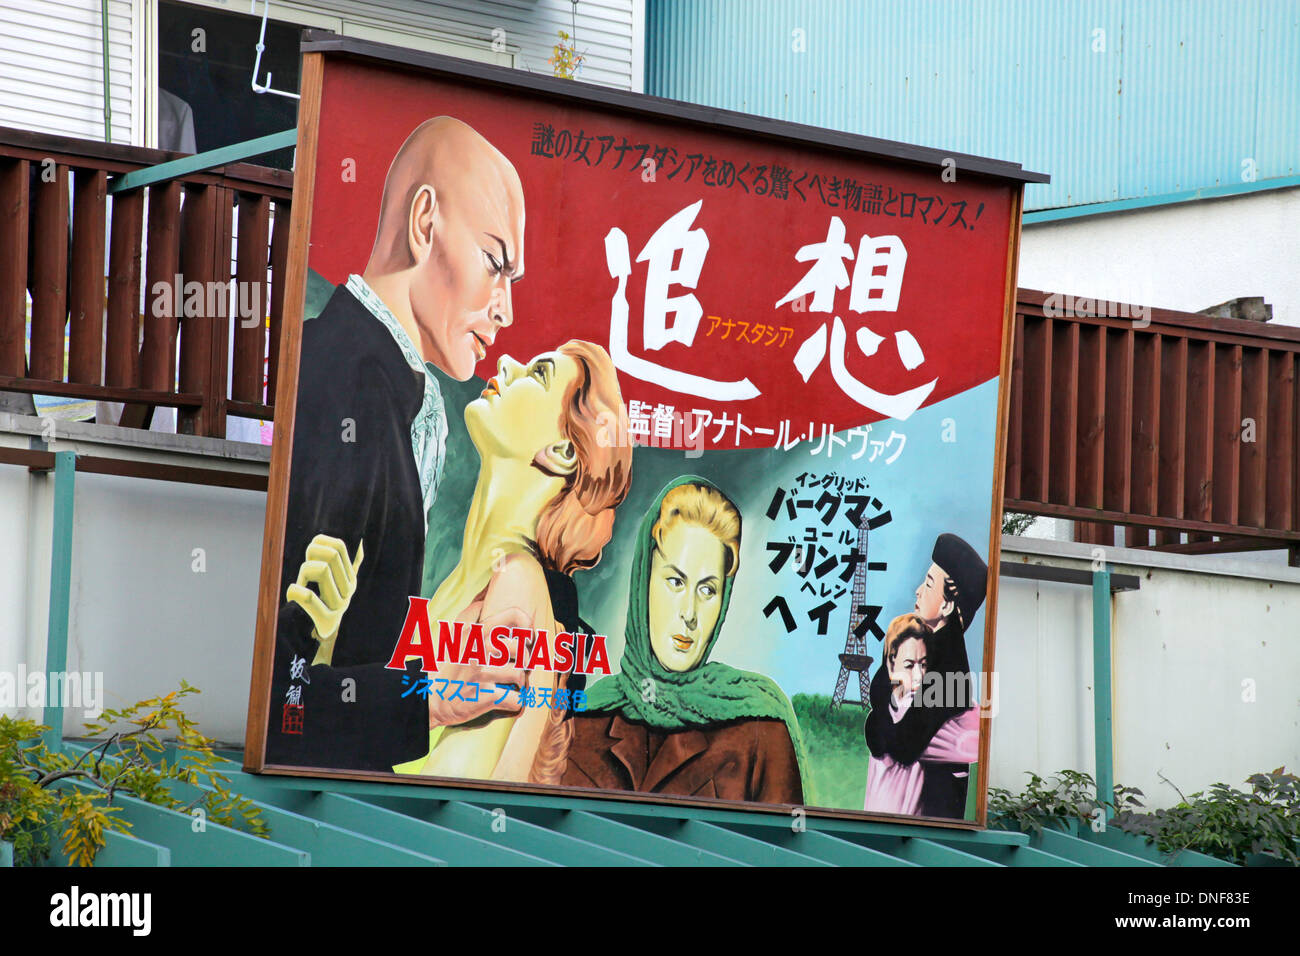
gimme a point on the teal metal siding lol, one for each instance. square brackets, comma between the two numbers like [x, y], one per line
[1181, 96]
[1277, 108]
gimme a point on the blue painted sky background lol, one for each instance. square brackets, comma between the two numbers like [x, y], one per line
[933, 487]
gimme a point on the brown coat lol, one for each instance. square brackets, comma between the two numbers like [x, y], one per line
[751, 759]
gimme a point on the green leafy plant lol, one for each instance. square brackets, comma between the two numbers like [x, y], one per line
[565, 58]
[1056, 802]
[1013, 522]
[26, 807]
[1228, 823]
[132, 758]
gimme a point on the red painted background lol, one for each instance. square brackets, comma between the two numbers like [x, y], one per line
[952, 291]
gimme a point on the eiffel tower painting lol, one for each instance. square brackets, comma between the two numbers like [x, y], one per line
[862, 619]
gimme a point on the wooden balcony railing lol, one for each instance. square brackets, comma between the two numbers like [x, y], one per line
[132, 338]
[1184, 425]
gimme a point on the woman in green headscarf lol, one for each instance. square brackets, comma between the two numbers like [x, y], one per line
[671, 721]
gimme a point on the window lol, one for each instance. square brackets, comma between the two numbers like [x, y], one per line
[205, 71]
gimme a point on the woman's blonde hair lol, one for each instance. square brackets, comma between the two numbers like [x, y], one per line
[706, 508]
[578, 523]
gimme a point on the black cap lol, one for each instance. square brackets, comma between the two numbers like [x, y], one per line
[967, 570]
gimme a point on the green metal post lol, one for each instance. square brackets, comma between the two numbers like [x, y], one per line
[56, 641]
[1101, 693]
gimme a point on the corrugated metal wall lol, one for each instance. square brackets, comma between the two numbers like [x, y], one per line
[51, 68]
[1117, 99]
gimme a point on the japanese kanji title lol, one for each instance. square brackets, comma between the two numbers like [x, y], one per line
[674, 256]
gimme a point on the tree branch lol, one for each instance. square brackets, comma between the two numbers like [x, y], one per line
[1172, 784]
[57, 775]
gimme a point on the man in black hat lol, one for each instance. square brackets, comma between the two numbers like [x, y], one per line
[949, 596]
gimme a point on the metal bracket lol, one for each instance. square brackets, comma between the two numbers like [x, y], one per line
[261, 45]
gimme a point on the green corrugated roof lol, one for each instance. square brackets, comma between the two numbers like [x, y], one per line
[349, 823]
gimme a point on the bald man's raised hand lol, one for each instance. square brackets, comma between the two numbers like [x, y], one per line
[329, 567]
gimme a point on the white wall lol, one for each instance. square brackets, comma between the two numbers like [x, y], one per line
[1188, 256]
[140, 611]
[1182, 646]
[145, 615]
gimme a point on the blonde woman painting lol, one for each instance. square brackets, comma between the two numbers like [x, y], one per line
[544, 501]
[672, 721]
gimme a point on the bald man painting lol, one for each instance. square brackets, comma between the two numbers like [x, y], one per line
[369, 442]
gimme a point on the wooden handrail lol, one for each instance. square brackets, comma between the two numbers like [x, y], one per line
[116, 158]
[1161, 422]
[160, 239]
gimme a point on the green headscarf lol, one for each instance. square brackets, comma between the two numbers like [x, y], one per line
[710, 692]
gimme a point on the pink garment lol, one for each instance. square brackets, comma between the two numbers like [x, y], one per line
[957, 741]
[894, 787]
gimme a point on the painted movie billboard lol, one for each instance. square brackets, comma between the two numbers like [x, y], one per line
[631, 455]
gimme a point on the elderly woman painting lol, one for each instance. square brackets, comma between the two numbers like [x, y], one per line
[543, 505]
[671, 721]
[896, 778]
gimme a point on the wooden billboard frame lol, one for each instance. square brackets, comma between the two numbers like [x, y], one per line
[316, 46]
